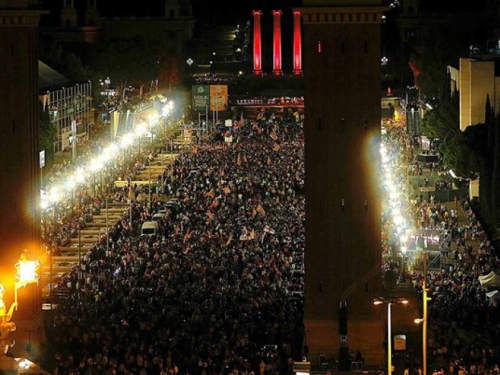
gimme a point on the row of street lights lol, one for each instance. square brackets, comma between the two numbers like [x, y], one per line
[396, 203]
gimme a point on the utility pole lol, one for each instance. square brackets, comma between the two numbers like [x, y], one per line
[424, 320]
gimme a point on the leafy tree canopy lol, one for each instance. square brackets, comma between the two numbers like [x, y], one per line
[438, 47]
[125, 60]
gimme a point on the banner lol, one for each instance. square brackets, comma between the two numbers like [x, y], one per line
[42, 158]
[428, 239]
[218, 98]
[201, 97]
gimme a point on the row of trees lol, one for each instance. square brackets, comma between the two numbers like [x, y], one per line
[472, 153]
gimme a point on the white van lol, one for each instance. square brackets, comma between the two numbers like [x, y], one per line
[149, 228]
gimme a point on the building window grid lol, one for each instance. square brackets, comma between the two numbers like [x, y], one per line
[68, 104]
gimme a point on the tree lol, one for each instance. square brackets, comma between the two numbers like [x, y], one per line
[438, 47]
[125, 60]
[169, 71]
[47, 133]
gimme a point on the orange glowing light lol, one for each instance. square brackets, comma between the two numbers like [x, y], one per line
[27, 271]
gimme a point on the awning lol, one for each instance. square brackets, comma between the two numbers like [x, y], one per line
[491, 279]
[493, 293]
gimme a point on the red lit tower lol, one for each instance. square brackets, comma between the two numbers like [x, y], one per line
[297, 43]
[257, 43]
[277, 42]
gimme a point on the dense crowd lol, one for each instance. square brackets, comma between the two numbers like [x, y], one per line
[459, 302]
[218, 289]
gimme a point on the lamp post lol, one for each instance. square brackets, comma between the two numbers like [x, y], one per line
[54, 197]
[423, 320]
[389, 302]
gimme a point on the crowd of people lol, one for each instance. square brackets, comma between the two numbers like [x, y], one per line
[217, 287]
[459, 302]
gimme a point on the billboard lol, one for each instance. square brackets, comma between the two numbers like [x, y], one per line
[218, 97]
[201, 97]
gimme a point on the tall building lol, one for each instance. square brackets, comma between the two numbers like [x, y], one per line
[19, 157]
[341, 50]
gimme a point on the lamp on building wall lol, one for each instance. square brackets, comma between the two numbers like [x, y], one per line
[26, 274]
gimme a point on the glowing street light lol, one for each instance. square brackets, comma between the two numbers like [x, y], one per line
[26, 274]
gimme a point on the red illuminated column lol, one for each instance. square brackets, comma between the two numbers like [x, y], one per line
[257, 43]
[297, 44]
[277, 42]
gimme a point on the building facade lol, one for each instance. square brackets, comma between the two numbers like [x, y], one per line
[67, 104]
[341, 50]
[19, 161]
[475, 80]
[95, 21]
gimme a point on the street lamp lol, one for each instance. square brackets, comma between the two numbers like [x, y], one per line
[26, 274]
[423, 320]
[389, 302]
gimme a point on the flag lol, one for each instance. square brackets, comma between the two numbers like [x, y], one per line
[214, 204]
[276, 147]
[273, 136]
[187, 235]
[268, 229]
[229, 240]
[260, 209]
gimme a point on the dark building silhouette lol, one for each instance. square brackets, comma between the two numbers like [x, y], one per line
[167, 23]
[341, 52]
[19, 158]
